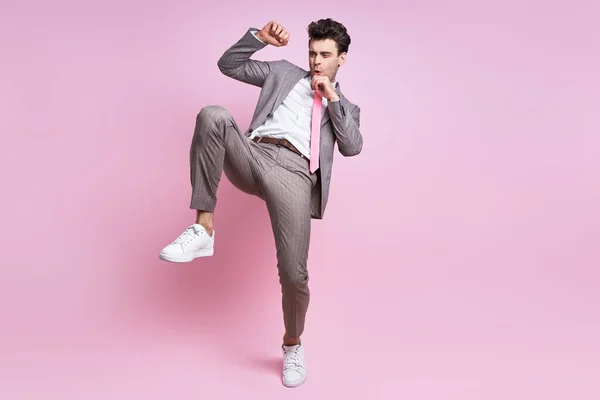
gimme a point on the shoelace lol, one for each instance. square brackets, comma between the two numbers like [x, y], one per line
[187, 235]
[292, 360]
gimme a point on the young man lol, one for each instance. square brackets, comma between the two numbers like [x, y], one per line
[284, 158]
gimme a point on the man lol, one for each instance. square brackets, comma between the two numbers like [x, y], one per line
[284, 158]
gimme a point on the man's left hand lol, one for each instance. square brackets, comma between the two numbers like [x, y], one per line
[325, 87]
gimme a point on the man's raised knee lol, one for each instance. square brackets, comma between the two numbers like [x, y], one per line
[213, 114]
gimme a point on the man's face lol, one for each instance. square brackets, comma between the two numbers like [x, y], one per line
[323, 58]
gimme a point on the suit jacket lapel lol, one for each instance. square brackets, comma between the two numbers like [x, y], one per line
[289, 81]
[325, 117]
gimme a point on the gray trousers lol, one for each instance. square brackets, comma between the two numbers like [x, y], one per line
[275, 174]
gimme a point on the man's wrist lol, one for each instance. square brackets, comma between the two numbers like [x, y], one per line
[257, 35]
[334, 96]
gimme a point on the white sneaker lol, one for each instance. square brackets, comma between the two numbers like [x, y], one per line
[294, 366]
[194, 242]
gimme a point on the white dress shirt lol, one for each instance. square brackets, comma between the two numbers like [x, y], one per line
[292, 119]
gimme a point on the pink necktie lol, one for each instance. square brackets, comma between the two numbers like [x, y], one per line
[315, 131]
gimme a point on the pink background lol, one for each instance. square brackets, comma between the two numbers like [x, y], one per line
[458, 258]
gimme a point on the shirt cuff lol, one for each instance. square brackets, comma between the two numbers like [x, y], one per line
[254, 31]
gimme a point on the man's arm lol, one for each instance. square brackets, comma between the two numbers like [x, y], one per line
[236, 62]
[346, 127]
[346, 123]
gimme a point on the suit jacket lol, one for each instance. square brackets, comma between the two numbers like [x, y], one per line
[340, 123]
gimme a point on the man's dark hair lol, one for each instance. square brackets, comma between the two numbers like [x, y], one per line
[330, 29]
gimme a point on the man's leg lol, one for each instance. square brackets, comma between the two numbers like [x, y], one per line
[287, 192]
[217, 144]
[217, 138]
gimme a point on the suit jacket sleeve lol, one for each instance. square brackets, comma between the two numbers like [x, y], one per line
[236, 62]
[346, 127]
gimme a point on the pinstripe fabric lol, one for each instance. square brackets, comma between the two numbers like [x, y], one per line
[278, 176]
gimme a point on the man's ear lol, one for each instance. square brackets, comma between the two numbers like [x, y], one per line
[342, 59]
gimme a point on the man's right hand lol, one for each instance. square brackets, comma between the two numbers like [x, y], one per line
[274, 34]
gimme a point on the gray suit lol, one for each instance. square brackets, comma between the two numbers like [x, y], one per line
[277, 78]
[280, 177]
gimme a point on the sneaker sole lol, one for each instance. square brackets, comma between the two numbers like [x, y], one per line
[187, 257]
[293, 385]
